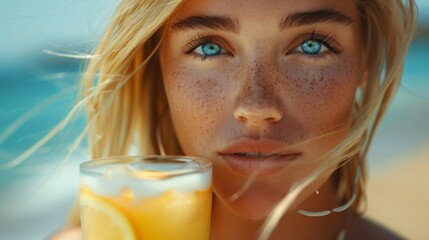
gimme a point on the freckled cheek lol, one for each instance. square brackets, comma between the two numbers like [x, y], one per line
[321, 96]
[196, 108]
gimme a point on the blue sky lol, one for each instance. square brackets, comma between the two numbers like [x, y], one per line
[29, 25]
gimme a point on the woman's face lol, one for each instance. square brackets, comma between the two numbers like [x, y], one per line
[253, 85]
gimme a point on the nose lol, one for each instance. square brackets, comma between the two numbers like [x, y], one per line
[258, 102]
[258, 115]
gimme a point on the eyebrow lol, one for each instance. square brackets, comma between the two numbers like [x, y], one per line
[232, 25]
[211, 22]
[313, 17]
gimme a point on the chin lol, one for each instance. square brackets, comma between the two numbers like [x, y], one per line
[255, 204]
[252, 209]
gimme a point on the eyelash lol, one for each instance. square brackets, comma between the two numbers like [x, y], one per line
[328, 41]
[194, 44]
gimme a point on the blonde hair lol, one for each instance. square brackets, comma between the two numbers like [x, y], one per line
[387, 29]
[123, 94]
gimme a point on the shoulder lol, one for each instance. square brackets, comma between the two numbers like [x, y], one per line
[364, 228]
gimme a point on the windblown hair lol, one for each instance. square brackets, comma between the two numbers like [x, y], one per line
[387, 29]
[124, 98]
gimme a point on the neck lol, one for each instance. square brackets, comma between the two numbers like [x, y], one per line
[227, 225]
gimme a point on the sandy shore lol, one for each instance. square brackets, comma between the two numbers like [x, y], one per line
[398, 197]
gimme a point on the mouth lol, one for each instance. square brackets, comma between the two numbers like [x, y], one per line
[256, 154]
[262, 157]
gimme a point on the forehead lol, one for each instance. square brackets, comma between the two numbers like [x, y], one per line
[263, 11]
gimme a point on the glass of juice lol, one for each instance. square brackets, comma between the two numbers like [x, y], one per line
[146, 197]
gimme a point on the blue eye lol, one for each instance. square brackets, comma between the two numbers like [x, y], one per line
[311, 47]
[209, 49]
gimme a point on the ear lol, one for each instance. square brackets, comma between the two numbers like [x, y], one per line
[364, 78]
[364, 73]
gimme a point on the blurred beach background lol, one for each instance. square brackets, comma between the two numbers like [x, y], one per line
[38, 85]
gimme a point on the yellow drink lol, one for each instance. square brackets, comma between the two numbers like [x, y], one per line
[177, 207]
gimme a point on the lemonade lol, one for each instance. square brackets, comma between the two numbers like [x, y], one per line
[146, 199]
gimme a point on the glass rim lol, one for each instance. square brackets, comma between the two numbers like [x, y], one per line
[93, 167]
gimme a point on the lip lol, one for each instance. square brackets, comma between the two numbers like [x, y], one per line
[265, 164]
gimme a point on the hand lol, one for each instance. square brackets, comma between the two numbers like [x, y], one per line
[68, 234]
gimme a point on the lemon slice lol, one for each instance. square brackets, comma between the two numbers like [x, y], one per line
[101, 220]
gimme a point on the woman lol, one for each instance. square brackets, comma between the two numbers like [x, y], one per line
[283, 96]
